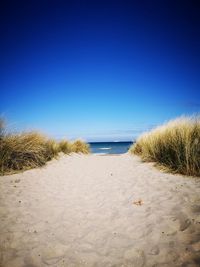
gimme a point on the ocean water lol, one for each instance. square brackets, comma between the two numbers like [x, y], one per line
[110, 147]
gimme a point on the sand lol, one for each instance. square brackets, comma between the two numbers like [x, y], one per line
[99, 211]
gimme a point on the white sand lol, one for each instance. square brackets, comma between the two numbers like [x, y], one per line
[80, 211]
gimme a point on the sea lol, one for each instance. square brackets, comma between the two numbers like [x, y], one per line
[110, 147]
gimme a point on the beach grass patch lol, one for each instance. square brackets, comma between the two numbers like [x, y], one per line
[27, 150]
[174, 145]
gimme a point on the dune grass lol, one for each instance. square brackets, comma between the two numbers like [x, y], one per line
[77, 146]
[24, 151]
[65, 146]
[175, 146]
[80, 147]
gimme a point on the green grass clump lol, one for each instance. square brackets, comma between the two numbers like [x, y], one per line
[24, 151]
[175, 146]
[80, 147]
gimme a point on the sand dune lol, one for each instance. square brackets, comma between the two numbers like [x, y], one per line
[99, 211]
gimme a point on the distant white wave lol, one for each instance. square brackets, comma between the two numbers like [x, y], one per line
[105, 148]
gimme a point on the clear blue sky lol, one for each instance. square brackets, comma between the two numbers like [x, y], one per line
[101, 70]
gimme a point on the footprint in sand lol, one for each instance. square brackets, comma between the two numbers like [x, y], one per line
[184, 224]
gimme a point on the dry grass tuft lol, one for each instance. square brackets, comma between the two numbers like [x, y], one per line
[65, 146]
[30, 150]
[175, 145]
[22, 151]
[80, 147]
[52, 149]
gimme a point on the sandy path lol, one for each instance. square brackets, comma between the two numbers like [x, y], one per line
[79, 211]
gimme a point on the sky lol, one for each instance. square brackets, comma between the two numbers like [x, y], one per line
[98, 70]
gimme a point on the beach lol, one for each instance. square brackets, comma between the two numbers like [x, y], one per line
[102, 211]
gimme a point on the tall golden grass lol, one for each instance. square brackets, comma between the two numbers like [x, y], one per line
[65, 146]
[30, 150]
[80, 147]
[175, 146]
[77, 146]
